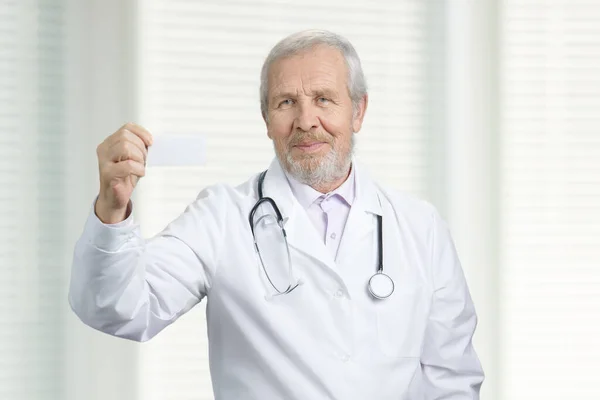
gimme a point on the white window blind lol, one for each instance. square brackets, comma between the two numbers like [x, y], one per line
[199, 66]
[550, 205]
[31, 212]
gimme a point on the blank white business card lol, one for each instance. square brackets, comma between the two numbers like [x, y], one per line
[176, 150]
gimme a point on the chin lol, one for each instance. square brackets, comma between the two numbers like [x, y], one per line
[307, 159]
[307, 162]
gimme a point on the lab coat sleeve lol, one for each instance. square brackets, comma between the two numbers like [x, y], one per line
[450, 365]
[129, 287]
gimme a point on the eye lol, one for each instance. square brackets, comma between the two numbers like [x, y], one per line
[323, 100]
[286, 102]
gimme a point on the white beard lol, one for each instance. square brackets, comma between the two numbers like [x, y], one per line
[330, 168]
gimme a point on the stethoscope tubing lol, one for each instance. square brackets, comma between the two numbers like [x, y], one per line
[379, 274]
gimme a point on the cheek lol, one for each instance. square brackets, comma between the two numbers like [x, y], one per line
[337, 124]
[278, 127]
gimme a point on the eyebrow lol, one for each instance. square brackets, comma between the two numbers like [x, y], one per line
[326, 93]
[317, 93]
[283, 95]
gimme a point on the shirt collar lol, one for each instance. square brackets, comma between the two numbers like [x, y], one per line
[277, 186]
[306, 195]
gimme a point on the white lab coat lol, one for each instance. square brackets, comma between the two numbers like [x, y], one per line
[328, 339]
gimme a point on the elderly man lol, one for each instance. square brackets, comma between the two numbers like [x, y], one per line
[321, 284]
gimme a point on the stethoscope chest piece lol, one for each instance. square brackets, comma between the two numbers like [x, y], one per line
[381, 286]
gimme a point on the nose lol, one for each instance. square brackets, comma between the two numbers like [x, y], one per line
[307, 117]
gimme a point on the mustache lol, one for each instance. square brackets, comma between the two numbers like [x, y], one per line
[301, 137]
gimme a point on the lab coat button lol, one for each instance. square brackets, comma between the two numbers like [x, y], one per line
[345, 358]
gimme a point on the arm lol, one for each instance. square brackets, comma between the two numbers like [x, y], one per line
[133, 288]
[450, 365]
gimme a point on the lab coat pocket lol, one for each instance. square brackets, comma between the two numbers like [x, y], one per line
[294, 288]
[401, 322]
[277, 279]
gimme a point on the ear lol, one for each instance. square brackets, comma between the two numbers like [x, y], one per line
[359, 114]
[266, 120]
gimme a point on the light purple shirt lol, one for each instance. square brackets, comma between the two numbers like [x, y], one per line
[328, 212]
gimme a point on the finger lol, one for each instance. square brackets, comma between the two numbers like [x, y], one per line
[124, 136]
[126, 151]
[126, 168]
[140, 131]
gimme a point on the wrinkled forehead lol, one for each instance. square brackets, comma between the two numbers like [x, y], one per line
[320, 67]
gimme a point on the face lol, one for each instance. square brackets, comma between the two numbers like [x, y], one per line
[310, 116]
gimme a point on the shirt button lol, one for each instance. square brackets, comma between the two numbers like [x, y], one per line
[333, 235]
[339, 293]
[345, 358]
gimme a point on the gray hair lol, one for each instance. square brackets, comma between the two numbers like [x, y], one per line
[304, 40]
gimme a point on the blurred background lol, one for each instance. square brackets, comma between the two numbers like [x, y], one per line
[488, 109]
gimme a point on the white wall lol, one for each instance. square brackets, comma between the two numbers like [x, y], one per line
[99, 92]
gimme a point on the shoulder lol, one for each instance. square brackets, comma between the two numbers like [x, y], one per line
[414, 217]
[409, 206]
[224, 195]
[215, 207]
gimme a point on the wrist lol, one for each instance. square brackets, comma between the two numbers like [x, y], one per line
[110, 215]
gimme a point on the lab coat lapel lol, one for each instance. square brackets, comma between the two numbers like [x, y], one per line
[301, 234]
[362, 219]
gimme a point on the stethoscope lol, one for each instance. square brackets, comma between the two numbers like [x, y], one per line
[380, 285]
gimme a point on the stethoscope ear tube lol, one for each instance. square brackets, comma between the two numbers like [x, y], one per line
[380, 242]
[262, 199]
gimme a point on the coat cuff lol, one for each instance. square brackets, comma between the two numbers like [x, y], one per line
[110, 237]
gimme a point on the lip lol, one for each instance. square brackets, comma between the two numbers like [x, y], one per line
[310, 147]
